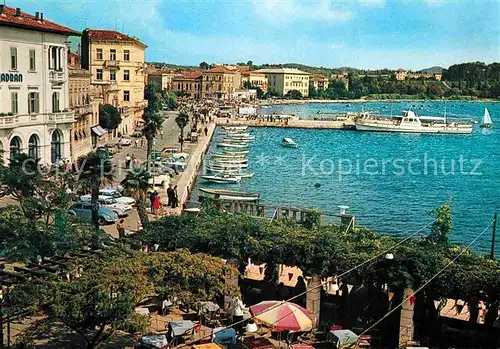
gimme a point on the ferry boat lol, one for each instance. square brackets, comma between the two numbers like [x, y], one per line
[228, 195]
[410, 122]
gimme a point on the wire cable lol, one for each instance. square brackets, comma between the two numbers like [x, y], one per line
[322, 284]
[427, 282]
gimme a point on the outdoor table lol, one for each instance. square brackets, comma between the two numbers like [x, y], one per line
[178, 328]
[342, 338]
[225, 336]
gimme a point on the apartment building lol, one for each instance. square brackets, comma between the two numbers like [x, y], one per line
[219, 82]
[85, 132]
[116, 62]
[254, 79]
[34, 100]
[318, 82]
[283, 80]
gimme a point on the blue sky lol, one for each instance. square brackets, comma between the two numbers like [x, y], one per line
[411, 34]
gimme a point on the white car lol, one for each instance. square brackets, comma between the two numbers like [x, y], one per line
[173, 152]
[159, 179]
[115, 194]
[121, 210]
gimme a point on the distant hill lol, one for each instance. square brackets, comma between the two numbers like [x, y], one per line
[432, 70]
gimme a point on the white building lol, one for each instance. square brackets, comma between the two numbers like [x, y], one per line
[34, 100]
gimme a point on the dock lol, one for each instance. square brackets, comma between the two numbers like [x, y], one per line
[301, 123]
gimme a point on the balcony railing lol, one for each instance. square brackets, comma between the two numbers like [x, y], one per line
[112, 63]
[57, 77]
[7, 122]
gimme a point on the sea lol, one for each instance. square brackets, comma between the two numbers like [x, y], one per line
[389, 181]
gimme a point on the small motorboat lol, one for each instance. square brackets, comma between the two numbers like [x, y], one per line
[243, 137]
[228, 165]
[232, 140]
[235, 152]
[289, 143]
[232, 145]
[222, 170]
[236, 134]
[230, 161]
[244, 174]
[487, 123]
[222, 178]
[228, 156]
[235, 128]
[228, 195]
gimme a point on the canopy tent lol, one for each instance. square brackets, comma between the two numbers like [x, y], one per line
[282, 316]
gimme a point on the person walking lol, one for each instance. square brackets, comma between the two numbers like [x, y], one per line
[134, 159]
[170, 195]
[121, 228]
[206, 131]
[136, 143]
[175, 198]
[152, 200]
[156, 203]
[161, 133]
[142, 142]
[127, 161]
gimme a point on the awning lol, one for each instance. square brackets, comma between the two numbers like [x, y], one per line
[98, 130]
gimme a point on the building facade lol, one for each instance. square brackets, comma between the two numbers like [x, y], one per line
[218, 82]
[283, 80]
[188, 83]
[254, 79]
[34, 100]
[116, 62]
[162, 81]
[318, 82]
[85, 132]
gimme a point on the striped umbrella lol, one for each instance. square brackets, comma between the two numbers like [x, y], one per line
[282, 316]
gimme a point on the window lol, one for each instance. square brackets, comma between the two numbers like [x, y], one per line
[99, 54]
[98, 74]
[33, 102]
[112, 55]
[33, 145]
[126, 96]
[32, 60]
[55, 102]
[126, 75]
[14, 103]
[126, 55]
[13, 58]
[112, 75]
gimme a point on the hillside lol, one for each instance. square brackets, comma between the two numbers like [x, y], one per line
[432, 70]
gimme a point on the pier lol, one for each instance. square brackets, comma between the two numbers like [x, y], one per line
[287, 123]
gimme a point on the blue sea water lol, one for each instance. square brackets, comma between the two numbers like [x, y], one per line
[390, 181]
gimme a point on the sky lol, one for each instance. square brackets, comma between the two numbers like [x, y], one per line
[366, 34]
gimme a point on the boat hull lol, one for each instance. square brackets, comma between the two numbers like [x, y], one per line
[231, 145]
[221, 180]
[288, 145]
[228, 195]
[424, 129]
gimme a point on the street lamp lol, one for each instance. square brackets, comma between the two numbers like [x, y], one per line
[173, 131]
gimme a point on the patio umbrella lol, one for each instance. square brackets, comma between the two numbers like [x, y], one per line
[282, 316]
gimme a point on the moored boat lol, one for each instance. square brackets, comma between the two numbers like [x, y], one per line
[223, 170]
[229, 161]
[233, 140]
[228, 156]
[410, 122]
[221, 178]
[232, 145]
[487, 123]
[227, 165]
[229, 195]
[235, 152]
[235, 128]
[288, 142]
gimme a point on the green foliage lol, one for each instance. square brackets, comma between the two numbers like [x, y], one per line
[136, 183]
[443, 224]
[312, 219]
[153, 121]
[109, 116]
[294, 94]
[182, 121]
[204, 65]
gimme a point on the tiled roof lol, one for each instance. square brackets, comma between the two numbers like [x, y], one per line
[26, 21]
[192, 74]
[248, 73]
[220, 69]
[110, 35]
[282, 71]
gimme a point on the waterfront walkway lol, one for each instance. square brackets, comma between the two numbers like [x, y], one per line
[318, 124]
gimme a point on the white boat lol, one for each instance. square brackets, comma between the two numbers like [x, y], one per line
[230, 161]
[236, 134]
[228, 156]
[244, 174]
[235, 152]
[222, 178]
[487, 123]
[289, 143]
[232, 145]
[233, 140]
[410, 122]
[229, 195]
[235, 128]
[215, 169]
[241, 136]
[228, 165]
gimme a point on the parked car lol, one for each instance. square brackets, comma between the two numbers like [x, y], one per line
[177, 165]
[115, 194]
[120, 209]
[173, 152]
[84, 210]
[159, 179]
[159, 167]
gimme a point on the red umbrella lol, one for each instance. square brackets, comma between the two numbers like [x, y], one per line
[282, 316]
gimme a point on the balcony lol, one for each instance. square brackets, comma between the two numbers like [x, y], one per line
[112, 63]
[57, 77]
[141, 104]
[10, 122]
[83, 110]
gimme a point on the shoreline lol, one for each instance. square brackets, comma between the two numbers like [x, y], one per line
[279, 102]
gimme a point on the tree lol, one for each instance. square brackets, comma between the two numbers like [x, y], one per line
[109, 116]
[443, 223]
[204, 65]
[152, 120]
[182, 121]
[250, 63]
[294, 94]
[94, 169]
[136, 182]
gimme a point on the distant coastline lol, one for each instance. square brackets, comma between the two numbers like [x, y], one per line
[275, 102]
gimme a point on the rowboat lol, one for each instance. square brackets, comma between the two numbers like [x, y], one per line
[222, 170]
[228, 156]
[230, 161]
[235, 128]
[244, 174]
[232, 145]
[229, 195]
[289, 143]
[232, 140]
[238, 136]
[222, 178]
[227, 165]
[236, 172]
[236, 133]
[235, 152]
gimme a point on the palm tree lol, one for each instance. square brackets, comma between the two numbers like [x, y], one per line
[152, 120]
[137, 183]
[182, 121]
[94, 169]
